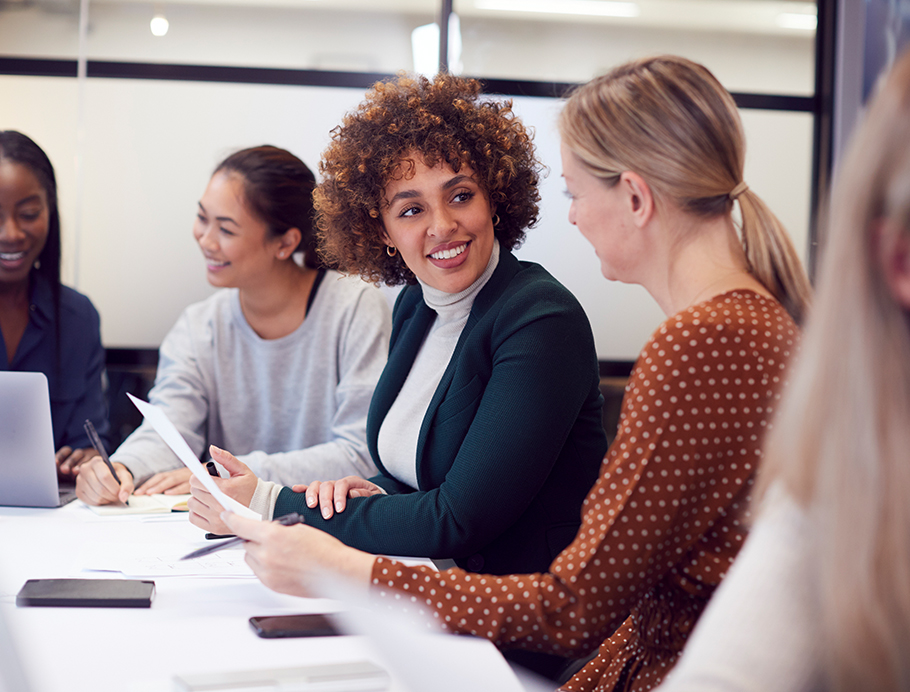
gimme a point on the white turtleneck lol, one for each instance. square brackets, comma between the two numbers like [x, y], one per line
[398, 434]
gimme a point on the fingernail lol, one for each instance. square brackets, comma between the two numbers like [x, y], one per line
[311, 501]
[338, 506]
[325, 513]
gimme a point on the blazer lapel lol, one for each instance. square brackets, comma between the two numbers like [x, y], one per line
[413, 331]
[505, 270]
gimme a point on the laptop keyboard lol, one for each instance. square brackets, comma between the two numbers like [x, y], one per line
[66, 492]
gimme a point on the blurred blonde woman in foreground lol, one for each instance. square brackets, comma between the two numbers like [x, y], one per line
[819, 598]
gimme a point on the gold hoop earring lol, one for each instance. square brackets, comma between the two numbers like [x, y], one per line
[391, 251]
[495, 219]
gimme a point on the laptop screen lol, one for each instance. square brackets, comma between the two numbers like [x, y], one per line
[28, 471]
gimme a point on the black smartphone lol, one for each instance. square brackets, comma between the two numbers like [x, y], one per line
[309, 625]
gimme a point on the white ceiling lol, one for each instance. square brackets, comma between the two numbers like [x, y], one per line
[748, 16]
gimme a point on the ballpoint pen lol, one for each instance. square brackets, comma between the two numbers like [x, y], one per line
[286, 520]
[99, 447]
[213, 471]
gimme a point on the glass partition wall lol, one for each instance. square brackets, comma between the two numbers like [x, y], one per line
[135, 102]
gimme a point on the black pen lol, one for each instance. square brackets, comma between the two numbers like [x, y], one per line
[286, 520]
[99, 447]
[213, 471]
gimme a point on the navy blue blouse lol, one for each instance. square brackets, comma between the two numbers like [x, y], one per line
[76, 385]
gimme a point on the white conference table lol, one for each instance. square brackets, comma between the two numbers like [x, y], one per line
[197, 624]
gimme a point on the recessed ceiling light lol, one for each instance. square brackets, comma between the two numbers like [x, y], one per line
[159, 25]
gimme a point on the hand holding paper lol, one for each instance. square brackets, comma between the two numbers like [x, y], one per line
[241, 484]
[159, 421]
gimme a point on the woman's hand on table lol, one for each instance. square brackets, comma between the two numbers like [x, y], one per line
[96, 486]
[296, 559]
[69, 460]
[175, 482]
[205, 510]
[331, 496]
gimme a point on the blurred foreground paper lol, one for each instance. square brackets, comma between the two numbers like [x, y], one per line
[12, 672]
[418, 654]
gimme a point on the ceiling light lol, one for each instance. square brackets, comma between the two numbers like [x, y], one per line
[159, 25]
[792, 20]
[596, 8]
[425, 46]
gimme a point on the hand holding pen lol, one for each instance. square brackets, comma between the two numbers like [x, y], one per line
[237, 481]
[286, 520]
[297, 560]
[95, 483]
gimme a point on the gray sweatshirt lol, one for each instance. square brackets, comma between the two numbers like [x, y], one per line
[294, 409]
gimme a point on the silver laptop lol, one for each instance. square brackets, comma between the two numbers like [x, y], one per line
[28, 470]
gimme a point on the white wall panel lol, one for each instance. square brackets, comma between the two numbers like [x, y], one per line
[149, 148]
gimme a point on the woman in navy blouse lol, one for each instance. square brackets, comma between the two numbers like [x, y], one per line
[45, 326]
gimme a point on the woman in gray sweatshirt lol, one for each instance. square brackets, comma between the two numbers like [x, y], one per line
[280, 364]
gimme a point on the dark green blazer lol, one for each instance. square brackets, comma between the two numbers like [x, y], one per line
[511, 442]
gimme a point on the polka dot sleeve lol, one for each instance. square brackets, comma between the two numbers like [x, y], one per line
[667, 511]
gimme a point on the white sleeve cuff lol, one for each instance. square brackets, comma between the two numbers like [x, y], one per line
[264, 498]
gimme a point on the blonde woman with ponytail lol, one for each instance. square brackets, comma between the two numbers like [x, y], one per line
[653, 161]
[820, 596]
[670, 123]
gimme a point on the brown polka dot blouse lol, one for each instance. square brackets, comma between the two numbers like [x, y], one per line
[662, 523]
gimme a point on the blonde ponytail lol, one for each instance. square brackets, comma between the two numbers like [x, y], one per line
[771, 256]
[671, 121]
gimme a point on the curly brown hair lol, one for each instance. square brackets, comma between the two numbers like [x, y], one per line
[444, 120]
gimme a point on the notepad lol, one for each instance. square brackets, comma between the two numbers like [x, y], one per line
[87, 593]
[142, 504]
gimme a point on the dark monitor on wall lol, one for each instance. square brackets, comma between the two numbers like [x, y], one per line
[886, 35]
[871, 34]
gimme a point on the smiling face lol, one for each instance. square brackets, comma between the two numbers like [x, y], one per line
[441, 223]
[24, 219]
[600, 212]
[238, 248]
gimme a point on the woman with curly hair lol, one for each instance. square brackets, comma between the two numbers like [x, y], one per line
[652, 157]
[486, 422]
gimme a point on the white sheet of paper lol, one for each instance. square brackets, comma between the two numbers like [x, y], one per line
[175, 441]
[163, 560]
